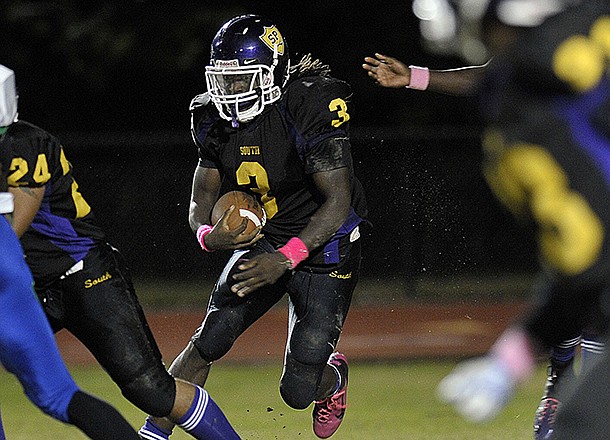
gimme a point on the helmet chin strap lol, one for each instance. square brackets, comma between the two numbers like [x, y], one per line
[234, 121]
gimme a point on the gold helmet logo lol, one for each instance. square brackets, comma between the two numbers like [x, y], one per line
[272, 39]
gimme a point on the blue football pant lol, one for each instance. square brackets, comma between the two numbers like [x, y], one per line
[27, 344]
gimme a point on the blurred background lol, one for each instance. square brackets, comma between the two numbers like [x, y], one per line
[113, 79]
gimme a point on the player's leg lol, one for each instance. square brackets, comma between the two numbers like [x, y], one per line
[591, 350]
[319, 303]
[562, 319]
[98, 419]
[28, 350]
[188, 364]
[561, 360]
[228, 316]
[49, 386]
[584, 410]
[200, 416]
[107, 317]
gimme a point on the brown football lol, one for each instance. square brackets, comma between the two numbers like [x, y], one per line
[246, 206]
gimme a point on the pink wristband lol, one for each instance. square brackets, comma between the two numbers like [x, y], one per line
[514, 350]
[202, 231]
[420, 78]
[295, 250]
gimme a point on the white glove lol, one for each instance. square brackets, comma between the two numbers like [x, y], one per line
[478, 388]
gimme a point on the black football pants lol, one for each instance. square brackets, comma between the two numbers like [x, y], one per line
[98, 305]
[318, 305]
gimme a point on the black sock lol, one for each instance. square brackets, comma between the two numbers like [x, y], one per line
[98, 419]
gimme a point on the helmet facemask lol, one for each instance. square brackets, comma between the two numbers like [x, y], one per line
[241, 93]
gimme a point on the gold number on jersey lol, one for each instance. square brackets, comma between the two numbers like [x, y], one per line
[255, 177]
[41, 175]
[41, 170]
[581, 60]
[527, 177]
[19, 168]
[340, 106]
[65, 165]
[81, 205]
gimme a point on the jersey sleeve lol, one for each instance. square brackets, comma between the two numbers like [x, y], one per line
[320, 111]
[202, 121]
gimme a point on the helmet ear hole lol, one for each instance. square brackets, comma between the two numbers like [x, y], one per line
[247, 45]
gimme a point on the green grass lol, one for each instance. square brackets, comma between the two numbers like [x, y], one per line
[386, 401]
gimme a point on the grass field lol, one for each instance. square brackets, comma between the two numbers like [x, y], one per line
[385, 401]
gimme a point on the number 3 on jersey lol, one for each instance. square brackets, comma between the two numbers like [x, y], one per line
[340, 106]
[254, 176]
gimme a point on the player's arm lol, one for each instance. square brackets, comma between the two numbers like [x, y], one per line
[205, 190]
[204, 193]
[27, 203]
[390, 72]
[335, 188]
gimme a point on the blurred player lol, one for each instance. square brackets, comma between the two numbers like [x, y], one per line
[388, 71]
[281, 134]
[546, 99]
[27, 345]
[84, 285]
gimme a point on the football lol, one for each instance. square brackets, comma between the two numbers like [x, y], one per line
[246, 206]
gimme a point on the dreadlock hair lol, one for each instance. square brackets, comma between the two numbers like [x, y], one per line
[308, 66]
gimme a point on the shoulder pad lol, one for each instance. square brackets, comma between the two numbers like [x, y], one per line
[317, 102]
[318, 87]
[317, 80]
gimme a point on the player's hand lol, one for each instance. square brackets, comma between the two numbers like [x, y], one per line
[387, 71]
[478, 388]
[259, 271]
[222, 237]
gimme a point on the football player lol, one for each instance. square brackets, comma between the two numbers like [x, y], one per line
[84, 285]
[281, 134]
[27, 345]
[388, 71]
[546, 100]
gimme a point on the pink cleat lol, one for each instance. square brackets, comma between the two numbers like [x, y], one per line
[328, 413]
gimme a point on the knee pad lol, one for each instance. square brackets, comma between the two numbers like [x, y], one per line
[217, 335]
[153, 392]
[311, 345]
[300, 382]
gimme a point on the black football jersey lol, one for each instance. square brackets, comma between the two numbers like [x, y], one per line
[562, 57]
[63, 231]
[273, 156]
[557, 71]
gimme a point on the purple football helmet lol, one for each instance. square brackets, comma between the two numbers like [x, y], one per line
[249, 65]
